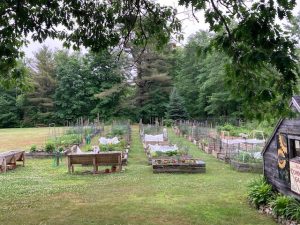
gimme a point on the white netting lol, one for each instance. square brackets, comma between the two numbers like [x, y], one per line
[106, 141]
[158, 137]
[162, 148]
[242, 141]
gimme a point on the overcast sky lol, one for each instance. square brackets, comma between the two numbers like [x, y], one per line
[189, 26]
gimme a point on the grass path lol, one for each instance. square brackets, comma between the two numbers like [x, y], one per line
[42, 194]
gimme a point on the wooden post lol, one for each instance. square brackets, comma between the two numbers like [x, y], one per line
[57, 158]
[120, 163]
[69, 164]
[94, 165]
[4, 165]
[23, 157]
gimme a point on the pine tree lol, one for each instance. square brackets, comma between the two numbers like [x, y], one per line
[153, 83]
[39, 108]
[176, 109]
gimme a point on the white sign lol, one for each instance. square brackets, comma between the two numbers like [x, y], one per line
[295, 176]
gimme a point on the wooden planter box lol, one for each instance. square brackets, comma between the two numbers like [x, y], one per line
[39, 155]
[247, 167]
[198, 167]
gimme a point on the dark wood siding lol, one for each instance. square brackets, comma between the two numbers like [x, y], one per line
[287, 126]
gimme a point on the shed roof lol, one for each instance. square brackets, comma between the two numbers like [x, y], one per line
[295, 102]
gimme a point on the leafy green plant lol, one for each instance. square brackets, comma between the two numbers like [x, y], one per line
[88, 147]
[280, 205]
[171, 153]
[49, 147]
[113, 147]
[260, 192]
[168, 122]
[118, 130]
[184, 129]
[61, 149]
[293, 210]
[246, 157]
[33, 148]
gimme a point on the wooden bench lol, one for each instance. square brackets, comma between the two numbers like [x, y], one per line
[8, 160]
[113, 158]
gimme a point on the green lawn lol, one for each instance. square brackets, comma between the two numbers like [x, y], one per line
[42, 194]
[23, 138]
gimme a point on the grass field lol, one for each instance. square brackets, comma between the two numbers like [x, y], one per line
[23, 138]
[42, 194]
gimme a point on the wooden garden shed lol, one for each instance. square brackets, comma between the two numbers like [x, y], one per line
[281, 155]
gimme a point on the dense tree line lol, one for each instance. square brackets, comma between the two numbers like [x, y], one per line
[260, 53]
[177, 82]
[62, 87]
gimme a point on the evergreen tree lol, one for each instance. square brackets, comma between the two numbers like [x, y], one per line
[9, 112]
[87, 86]
[39, 103]
[201, 80]
[176, 108]
[152, 82]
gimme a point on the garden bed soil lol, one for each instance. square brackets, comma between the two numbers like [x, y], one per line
[247, 167]
[178, 167]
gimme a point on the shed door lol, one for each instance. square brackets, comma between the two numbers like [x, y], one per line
[283, 158]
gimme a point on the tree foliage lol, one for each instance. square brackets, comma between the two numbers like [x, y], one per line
[92, 23]
[9, 111]
[254, 42]
[176, 108]
[201, 80]
[153, 84]
[81, 81]
[39, 105]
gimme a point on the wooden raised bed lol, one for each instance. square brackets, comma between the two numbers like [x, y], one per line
[8, 160]
[39, 155]
[247, 167]
[159, 166]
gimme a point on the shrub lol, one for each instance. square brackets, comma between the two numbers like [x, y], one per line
[280, 205]
[69, 139]
[171, 153]
[293, 210]
[119, 130]
[260, 192]
[49, 147]
[33, 148]
[88, 147]
[111, 147]
[168, 122]
[61, 149]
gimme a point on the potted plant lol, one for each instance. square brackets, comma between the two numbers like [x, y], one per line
[113, 169]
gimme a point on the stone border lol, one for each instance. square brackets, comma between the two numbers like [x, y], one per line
[267, 210]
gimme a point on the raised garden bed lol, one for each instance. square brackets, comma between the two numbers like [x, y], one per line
[247, 167]
[170, 165]
[39, 155]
